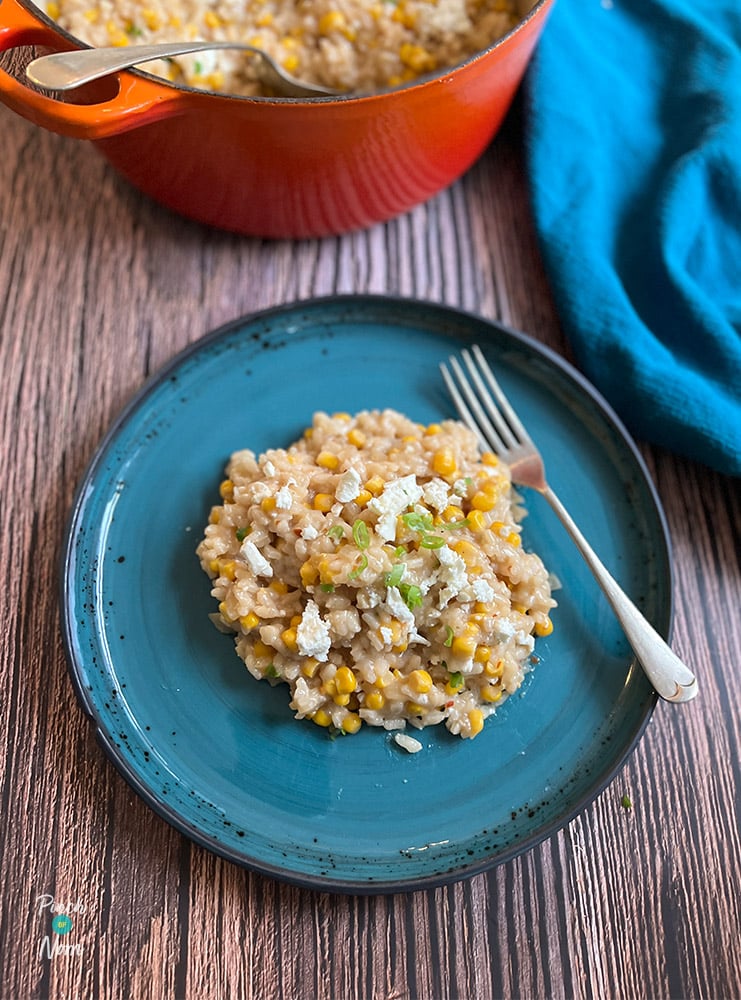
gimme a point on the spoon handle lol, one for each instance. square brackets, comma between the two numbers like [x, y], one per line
[67, 70]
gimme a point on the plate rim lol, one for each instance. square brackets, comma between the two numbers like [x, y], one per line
[76, 662]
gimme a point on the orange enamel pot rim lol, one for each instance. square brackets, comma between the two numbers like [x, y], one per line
[536, 12]
[281, 167]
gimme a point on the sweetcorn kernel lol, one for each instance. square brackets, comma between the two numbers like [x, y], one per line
[356, 437]
[545, 628]
[375, 701]
[420, 681]
[327, 460]
[476, 520]
[463, 645]
[443, 462]
[288, 635]
[345, 680]
[476, 721]
[310, 666]
[492, 669]
[351, 723]
[483, 501]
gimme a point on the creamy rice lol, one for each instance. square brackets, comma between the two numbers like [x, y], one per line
[375, 566]
[357, 45]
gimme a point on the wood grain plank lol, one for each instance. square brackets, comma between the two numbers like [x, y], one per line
[99, 287]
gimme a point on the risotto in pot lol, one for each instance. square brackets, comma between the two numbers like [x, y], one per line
[375, 566]
[350, 45]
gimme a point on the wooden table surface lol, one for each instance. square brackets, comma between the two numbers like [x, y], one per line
[98, 288]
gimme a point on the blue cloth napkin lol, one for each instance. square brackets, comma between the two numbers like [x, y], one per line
[634, 160]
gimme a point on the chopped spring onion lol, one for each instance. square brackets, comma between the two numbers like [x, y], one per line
[456, 525]
[432, 542]
[411, 594]
[449, 635]
[242, 533]
[336, 531]
[360, 534]
[417, 522]
[456, 680]
[393, 579]
[327, 588]
[359, 568]
[270, 670]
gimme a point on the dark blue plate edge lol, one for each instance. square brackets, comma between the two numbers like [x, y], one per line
[411, 307]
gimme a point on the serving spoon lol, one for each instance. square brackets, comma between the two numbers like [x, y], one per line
[67, 70]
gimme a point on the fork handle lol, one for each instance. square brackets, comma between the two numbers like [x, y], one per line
[671, 679]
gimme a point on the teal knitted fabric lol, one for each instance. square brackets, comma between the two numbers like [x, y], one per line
[634, 160]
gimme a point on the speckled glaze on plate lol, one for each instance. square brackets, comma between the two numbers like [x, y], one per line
[219, 755]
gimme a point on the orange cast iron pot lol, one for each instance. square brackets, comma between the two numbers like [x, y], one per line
[284, 167]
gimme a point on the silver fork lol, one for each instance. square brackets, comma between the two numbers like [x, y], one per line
[482, 405]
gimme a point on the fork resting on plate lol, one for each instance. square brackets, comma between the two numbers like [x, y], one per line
[483, 406]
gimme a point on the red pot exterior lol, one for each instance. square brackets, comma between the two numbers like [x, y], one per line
[291, 168]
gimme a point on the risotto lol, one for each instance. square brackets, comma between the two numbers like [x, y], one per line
[350, 45]
[376, 568]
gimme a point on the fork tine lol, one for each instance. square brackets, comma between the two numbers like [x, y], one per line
[503, 428]
[471, 410]
[514, 421]
[460, 405]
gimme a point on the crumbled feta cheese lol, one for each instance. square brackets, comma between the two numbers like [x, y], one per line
[460, 487]
[283, 498]
[452, 573]
[505, 629]
[397, 606]
[268, 468]
[524, 639]
[482, 590]
[348, 487]
[408, 743]
[309, 532]
[312, 634]
[387, 635]
[399, 610]
[436, 494]
[396, 497]
[255, 559]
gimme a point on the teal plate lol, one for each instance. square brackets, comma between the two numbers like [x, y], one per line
[219, 755]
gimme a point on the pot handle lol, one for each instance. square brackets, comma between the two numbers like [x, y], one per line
[136, 101]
